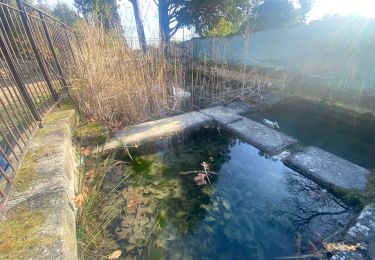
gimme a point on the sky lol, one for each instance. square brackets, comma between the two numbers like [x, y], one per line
[320, 9]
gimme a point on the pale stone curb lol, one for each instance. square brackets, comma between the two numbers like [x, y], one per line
[40, 213]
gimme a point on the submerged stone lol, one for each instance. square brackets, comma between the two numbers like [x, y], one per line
[348, 255]
[364, 230]
[329, 169]
[262, 137]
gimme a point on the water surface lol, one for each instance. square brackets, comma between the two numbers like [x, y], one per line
[347, 135]
[256, 208]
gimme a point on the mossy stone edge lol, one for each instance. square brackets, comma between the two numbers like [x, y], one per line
[39, 218]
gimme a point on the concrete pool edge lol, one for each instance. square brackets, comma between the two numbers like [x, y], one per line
[311, 162]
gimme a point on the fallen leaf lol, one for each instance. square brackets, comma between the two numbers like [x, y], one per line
[81, 197]
[85, 151]
[333, 247]
[90, 175]
[79, 200]
[200, 179]
[115, 255]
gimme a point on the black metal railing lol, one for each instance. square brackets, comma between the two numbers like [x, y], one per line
[38, 55]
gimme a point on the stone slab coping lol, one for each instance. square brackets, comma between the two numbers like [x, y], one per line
[239, 107]
[157, 129]
[39, 219]
[221, 114]
[327, 168]
[264, 138]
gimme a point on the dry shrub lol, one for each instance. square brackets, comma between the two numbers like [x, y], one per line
[118, 85]
[122, 86]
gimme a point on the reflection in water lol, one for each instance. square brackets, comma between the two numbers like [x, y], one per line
[347, 135]
[252, 210]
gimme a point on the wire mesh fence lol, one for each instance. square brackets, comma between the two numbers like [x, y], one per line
[37, 58]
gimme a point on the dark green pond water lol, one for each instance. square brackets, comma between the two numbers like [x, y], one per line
[347, 135]
[255, 208]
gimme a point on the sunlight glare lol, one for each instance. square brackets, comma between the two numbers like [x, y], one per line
[321, 8]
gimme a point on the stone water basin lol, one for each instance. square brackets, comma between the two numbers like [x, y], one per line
[254, 208]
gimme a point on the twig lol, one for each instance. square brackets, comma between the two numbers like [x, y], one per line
[300, 257]
[206, 172]
[195, 172]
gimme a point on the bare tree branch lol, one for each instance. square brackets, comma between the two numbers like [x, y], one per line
[174, 29]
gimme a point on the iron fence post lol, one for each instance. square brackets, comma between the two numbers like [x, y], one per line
[52, 48]
[17, 78]
[70, 45]
[35, 49]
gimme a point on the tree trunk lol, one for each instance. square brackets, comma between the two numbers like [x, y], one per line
[164, 25]
[139, 23]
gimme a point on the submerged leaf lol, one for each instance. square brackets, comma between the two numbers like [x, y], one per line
[130, 248]
[200, 179]
[333, 247]
[115, 255]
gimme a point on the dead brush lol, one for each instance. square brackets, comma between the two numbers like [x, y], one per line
[122, 86]
[118, 85]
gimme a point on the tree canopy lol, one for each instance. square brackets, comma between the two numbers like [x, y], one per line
[205, 15]
[221, 16]
[272, 14]
[105, 10]
[226, 17]
[66, 14]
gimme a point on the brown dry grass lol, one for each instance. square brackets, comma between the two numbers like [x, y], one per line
[118, 85]
[122, 86]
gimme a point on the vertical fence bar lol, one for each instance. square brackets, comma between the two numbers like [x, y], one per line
[37, 90]
[70, 45]
[35, 49]
[50, 44]
[17, 79]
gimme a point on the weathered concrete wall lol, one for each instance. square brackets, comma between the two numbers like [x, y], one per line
[338, 51]
[39, 219]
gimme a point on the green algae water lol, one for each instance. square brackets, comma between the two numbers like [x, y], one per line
[255, 208]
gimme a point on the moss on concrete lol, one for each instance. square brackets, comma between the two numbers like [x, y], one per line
[93, 133]
[34, 225]
[27, 173]
[355, 198]
[20, 233]
[64, 112]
